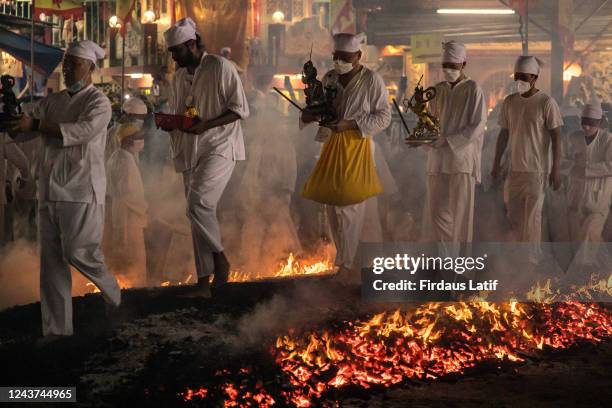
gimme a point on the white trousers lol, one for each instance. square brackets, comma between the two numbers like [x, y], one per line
[524, 202]
[448, 216]
[70, 235]
[351, 224]
[204, 185]
[586, 230]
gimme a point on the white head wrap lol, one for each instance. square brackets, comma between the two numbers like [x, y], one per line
[453, 52]
[527, 64]
[135, 106]
[181, 32]
[592, 110]
[348, 42]
[88, 50]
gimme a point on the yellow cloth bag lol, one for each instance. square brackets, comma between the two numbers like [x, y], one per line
[345, 173]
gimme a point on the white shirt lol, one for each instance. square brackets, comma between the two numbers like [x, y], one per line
[10, 152]
[73, 169]
[215, 87]
[529, 121]
[126, 189]
[364, 100]
[462, 111]
[590, 177]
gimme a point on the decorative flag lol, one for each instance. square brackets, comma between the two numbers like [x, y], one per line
[124, 13]
[342, 16]
[63, 8]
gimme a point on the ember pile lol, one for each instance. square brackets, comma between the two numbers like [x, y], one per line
[429, 342]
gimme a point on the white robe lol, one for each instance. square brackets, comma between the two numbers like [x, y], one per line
[71, 187]
[208, 159]
[129, 216]
[364, 100]
[589, 193]
[528, 121]
[10, 153]
[453, 169]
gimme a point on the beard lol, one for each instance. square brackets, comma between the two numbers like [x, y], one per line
[187, 60]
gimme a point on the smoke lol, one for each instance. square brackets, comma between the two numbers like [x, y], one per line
[316, 303]
[19, 274]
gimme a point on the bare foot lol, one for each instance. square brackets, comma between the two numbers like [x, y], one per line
[222, 269]
[199, 290]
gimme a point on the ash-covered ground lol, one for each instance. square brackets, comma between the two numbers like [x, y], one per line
[160, 344]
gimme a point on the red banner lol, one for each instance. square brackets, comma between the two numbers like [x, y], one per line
[63, 8]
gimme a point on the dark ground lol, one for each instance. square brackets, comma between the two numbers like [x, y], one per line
[162, 343]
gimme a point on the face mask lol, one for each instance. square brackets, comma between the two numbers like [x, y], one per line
[138, 123]
[342, 67]
[522, 86]
[451, 75]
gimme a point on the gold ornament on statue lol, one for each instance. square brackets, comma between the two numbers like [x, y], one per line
[190, 111]
[427, 129]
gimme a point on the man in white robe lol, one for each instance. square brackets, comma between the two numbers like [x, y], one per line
[71, 187]
[129, 207]
[453, 162]
[207, 152]
[589, 193]
[531, 122]
[361, 104]
[10, 154]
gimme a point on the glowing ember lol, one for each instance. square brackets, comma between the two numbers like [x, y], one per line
[429, 342]
[292, 267]
[304, 266]
[594, 289]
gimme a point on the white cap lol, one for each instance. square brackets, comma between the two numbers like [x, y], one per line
[135, 106]
[88, 50]
[348, 42]
[181, 32]
[453, 52]
[592, 111]
[527, 64]
[226, 50]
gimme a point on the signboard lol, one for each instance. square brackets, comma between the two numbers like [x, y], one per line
[426, 47]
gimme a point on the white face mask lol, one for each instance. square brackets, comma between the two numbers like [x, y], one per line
[77, 86]
[138, 123]
[342, 67]
[522, 86]
[451, 75]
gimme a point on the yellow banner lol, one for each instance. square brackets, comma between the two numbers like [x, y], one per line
[426, 47]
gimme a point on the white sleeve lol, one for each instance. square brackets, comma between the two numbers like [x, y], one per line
[379, 116]
[92, 121]
[232, 90]
[17, 157]
[474, 124]
[602, 168]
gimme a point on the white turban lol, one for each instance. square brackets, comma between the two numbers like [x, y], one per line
[453, 52]
[527, 64]
[183, 31]
[348, 42]
[135, 106]
[88, 50]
